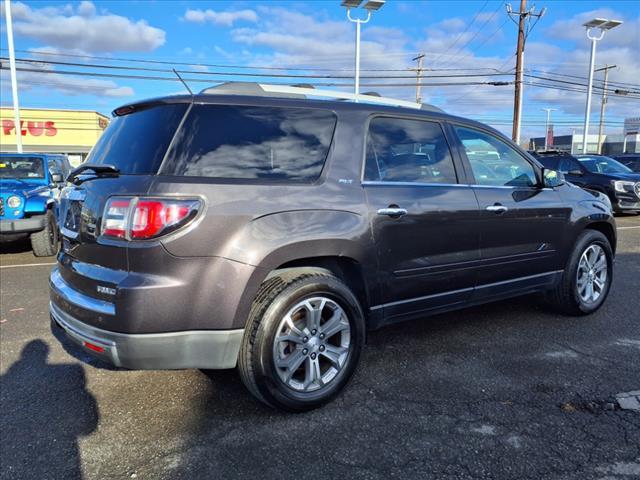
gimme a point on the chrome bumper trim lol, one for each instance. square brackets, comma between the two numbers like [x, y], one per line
[78, 299]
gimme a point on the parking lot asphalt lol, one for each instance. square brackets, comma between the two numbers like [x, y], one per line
[503, 391]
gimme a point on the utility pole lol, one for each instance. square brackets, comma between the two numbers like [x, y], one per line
[603, 102]
[419, 70]
[523, 31]
[517, 101]
[14, 82]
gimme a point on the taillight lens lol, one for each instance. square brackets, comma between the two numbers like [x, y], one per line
[140, 218]
[116, 213]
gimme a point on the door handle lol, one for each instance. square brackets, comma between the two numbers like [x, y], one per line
[497, 209]
[393, 212]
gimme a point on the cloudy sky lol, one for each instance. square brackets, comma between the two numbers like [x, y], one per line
[466, 44]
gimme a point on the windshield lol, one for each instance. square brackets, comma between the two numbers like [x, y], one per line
[21, 168]
[603, 165]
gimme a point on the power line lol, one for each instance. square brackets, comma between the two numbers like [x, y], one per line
[478, 33]
[378, 77]
[457, 39]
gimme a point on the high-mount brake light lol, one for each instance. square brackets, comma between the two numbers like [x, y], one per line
[143, 218]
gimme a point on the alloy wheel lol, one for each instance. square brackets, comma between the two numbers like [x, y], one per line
[592, 274]
[312, 344]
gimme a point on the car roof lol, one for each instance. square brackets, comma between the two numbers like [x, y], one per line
[208, 98]
[32, 154]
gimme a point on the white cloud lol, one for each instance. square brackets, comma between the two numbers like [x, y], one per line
[626, 35]
[317, 41]
[219, 18]
[46, 80]
[69, 85]
[618, 47]
[84, 29]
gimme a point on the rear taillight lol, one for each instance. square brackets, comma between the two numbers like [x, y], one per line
[116, 213]
[140, 218]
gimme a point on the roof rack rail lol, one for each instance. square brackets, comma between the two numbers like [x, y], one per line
[307, 91]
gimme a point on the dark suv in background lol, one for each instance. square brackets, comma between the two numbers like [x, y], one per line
[599, 173]
[269, 231]
[630, 160]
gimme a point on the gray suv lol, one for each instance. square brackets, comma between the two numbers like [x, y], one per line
[269, 230]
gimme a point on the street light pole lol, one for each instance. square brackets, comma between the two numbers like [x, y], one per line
[546, 129]
[370, 6]
[587, 112]
[14, 81]
[603, 25]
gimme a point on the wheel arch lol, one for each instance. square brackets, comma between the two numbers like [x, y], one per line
[347, 269]
[607, 230]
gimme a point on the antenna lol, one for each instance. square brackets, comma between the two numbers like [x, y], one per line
[183, 82]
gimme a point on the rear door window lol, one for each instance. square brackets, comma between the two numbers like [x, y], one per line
[136, 143]
[403, 150]
[252, 143]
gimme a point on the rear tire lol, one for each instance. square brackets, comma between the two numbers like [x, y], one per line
[587, 276]
[303, 339]
[45, 242]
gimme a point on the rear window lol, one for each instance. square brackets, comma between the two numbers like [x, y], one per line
[252, 143]
[137, 142]
[548, 162]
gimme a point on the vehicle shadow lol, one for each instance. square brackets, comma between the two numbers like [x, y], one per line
[228, 416]
[16, 246]
[41, 421]
[76, 351]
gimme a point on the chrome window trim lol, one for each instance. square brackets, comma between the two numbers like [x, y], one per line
[466, 185]
[413, 184]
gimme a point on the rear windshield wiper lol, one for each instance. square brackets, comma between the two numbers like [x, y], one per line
[97, 170]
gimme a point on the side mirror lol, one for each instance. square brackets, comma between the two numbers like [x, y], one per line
[552, 178]
[56, 178]
[577, 173]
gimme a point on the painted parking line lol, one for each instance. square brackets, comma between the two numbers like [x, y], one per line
[28, 265]
[627, 228]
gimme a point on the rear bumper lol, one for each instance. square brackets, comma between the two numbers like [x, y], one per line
[153, 351]
[211, 349]
[22, 225]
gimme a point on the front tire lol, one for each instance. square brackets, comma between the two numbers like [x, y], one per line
[587, 276]
[45, 242]
[303, 340]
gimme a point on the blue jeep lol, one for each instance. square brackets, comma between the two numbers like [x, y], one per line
[29, 187]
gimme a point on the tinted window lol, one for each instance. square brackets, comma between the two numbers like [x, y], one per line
[55, 167]
[603, 165]
[21, 167]
[400, 150]
[256, 143]
[136, 143]
[494, 162]
[548, 162]
[569, 165]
